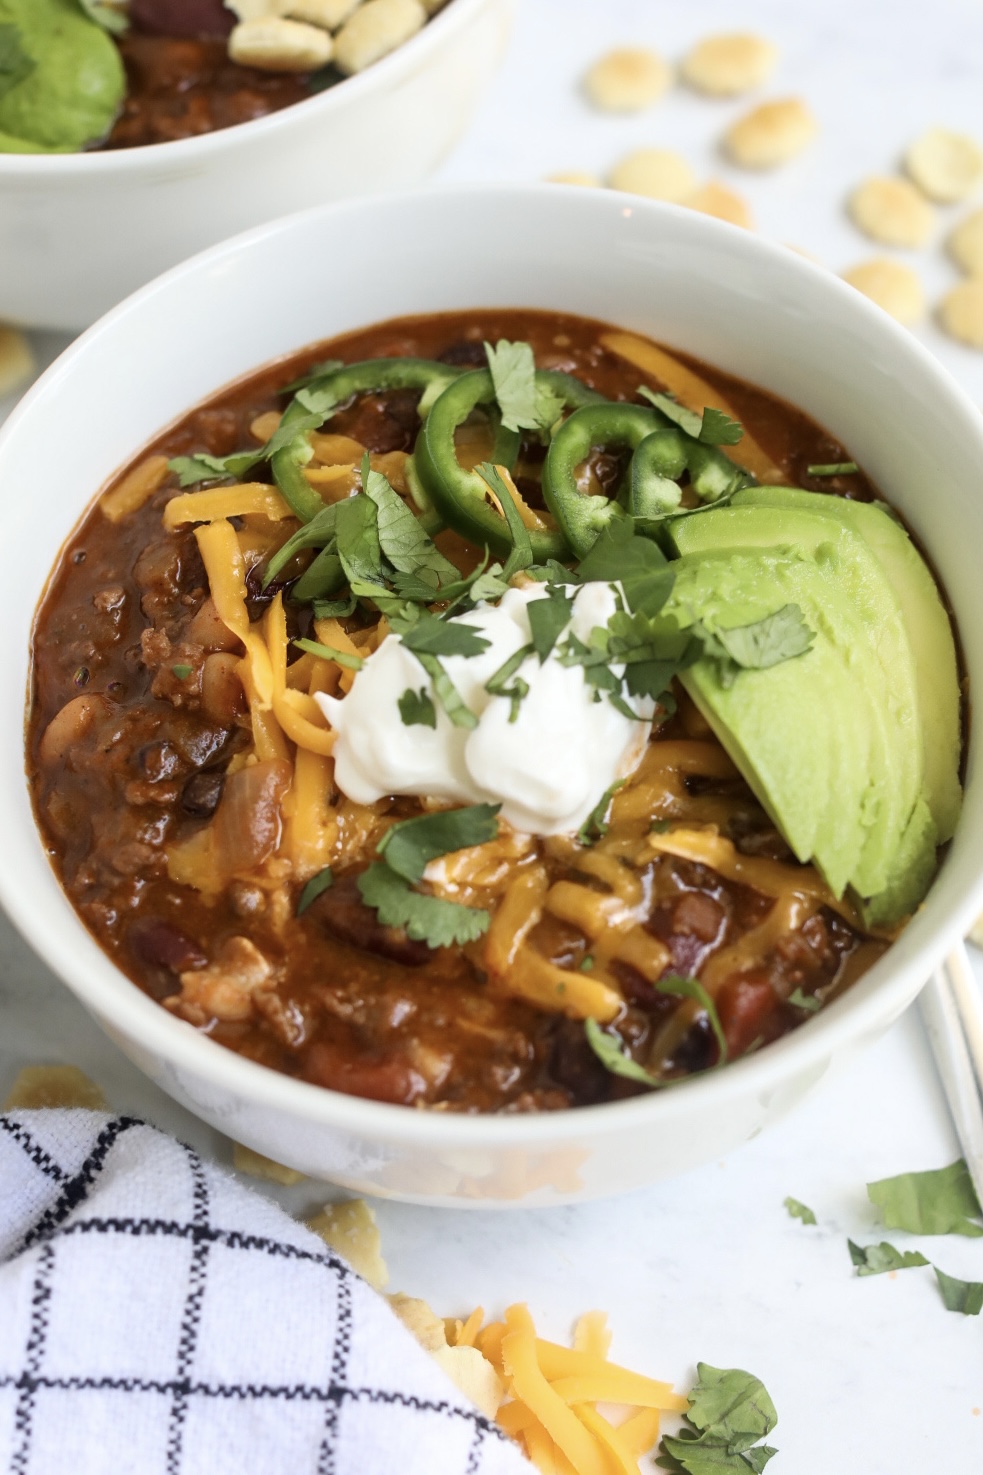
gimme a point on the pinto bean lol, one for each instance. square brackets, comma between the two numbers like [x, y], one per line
[388, 1077]
[342, 912]
[247, 822]
[209, 630]
[69, 726]
[201, 794]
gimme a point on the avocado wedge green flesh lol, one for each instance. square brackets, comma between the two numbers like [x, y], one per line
[927, 625]
[73, 84]
[844, 715]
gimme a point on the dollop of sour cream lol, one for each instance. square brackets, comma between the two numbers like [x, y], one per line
[548, 769]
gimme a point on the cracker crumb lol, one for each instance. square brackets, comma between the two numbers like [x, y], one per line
[965, 244]
[627, 80]
[17, 365]
[946, 166]
[716, 199]
[658, 173]
[576, 176]
[771, 134]
[961, 312]
[245, 1160]
[892, 285]
[350, 1228]
[891, 211]
[37, 1086]
[727, 65]
[274, 44]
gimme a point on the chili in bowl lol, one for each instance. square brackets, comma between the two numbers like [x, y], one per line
[424, 749]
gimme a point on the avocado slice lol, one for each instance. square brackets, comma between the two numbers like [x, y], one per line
[67, 81]
[926, 622]
[845, 714]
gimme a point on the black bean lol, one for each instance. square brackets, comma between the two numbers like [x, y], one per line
[468, 353]
[201, 794]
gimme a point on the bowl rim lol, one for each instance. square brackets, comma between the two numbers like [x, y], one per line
[78, 960]
[454, 16]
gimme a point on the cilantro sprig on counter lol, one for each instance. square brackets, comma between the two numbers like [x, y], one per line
[729, 1413]
[405, 851]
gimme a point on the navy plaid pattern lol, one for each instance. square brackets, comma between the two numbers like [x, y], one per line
[158, 1318]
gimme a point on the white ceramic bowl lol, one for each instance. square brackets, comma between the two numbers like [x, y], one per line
[79, 232]
[754, 309]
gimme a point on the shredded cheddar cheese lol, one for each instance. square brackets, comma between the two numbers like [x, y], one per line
[136, 488]
[250, 498]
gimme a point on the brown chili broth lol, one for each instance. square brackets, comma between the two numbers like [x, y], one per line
[365, 1022]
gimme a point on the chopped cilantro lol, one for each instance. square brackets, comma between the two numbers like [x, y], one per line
[446, 692]
[182, 671]
[960, 1295]
[877, 1259]
[718, 429]
[799, 1210]
[777, 637]
[416, 709]
[435, 637]
[548, 618]
[357, 531]
[689, 421]
[513, 372]
[596, 825]
[809, 1002]
[521, 555]
[942, 1201]
[620, 556]
[497, 684]
[586, 963]
[328, 653]
[192, 469]
[409, 846]
[729, 1413]
[426, 919]
[402, 537]
[313, 889]
[834, 468]
[318, 533]
[334, 609]
[612, 1052]
[692, 988]
[660, 827]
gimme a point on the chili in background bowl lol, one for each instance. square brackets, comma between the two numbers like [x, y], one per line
[748, 307]
[79, 232]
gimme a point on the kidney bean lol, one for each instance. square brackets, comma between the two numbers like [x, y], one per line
[160, 945]
[388, 1077]
[181, 17]
[342, 912]
[201, 794]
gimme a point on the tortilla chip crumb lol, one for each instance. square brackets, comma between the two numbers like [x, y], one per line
[771, 134]
[726, 66]
[350, 1228]
[420, 1319]
[892, 211]
[961, 312]
[627, 80]
[245, 1160]
[467, 1369]
[63, 1086]
[965, 244]
[17, 364]
[946, 166]
[659, 174]
[716, 199]
[892, 285]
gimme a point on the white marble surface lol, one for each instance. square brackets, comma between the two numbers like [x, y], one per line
[870, 1377]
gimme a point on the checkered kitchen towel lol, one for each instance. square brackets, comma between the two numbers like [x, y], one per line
[157, 1318]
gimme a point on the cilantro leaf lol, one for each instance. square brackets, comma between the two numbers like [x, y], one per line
[942, 1201]
[318, 533]
[549, 408]
[552, 572]
[435, 637]
[960, 1295]
[182, 672]
[718, 429]
[488, 585]
[401, 534]
[334, 609]
[877, 1259]
[328, 653]
[410, 845]
[513, 372]
[416, 709]
[809, 1002]
[497, 684]
[767, 642]
[446, 692]
[357, 530]
[521, 556]
[620, 556]
[799, 1210]
[548, 618]
[834, 468]
[692, 988]
[427, 919]
[596, 825]
[729, 1412]
[611, 1051]
[15, 62]
[314, 888]
[688, 420]
[192, 469]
